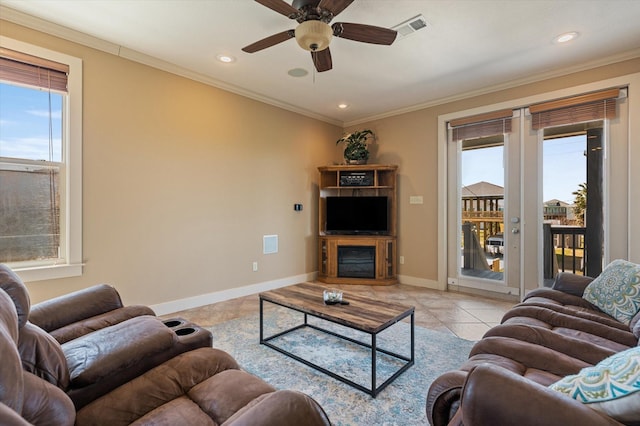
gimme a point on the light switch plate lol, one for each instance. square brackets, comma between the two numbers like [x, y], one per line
[416, 199]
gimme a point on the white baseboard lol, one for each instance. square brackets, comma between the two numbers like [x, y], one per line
[418, 282]
[220, 296]
[232, 293]
[487, 287]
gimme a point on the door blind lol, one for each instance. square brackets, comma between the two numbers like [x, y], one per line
[577, 109]
[482, 125]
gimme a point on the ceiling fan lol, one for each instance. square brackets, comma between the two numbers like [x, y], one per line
[314, 32]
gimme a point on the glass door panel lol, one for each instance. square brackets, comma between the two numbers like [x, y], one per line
[482, 208]
[572, 175]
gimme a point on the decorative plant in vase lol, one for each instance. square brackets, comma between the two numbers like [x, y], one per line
[355, 149]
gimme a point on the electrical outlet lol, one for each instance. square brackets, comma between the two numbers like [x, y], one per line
[255, 266]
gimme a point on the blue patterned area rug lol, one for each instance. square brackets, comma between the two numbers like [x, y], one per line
[401, 403]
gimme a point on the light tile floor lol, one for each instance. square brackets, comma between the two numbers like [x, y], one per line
[466, 316]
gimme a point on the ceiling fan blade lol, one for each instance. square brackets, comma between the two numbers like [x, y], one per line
[335, 6]
[269, 41]
[322, 60]
[281, 7]
[364, 33]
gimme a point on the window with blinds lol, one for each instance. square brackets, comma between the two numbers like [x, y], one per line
[22, 68]
[33, 92]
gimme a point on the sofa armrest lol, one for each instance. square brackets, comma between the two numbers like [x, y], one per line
[571, 283]
[495, 396]
[69, 308]
[101, 361]
[81, 327]
[281, 408]
[443, 397]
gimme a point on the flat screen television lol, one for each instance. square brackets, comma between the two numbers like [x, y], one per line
[357, 215]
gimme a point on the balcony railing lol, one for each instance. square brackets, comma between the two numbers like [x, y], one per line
[486, 214]
[564, 250]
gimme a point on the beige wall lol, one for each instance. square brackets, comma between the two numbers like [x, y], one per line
[182, 180]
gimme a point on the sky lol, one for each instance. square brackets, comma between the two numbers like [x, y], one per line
[564, 167]
[24, 123]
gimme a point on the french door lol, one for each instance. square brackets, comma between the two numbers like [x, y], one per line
[512, 222]
[485, 197]
[496, 212]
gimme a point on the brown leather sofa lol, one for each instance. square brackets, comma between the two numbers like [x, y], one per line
[134, 369]
[553, 333]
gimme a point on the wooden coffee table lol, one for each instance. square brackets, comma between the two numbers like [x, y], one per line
[364, 314]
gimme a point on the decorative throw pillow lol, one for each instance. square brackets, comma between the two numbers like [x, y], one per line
[616, 291]
[612, 386]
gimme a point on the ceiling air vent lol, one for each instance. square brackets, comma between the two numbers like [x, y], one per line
[410, 26]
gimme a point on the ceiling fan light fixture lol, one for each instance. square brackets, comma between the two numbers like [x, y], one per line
[314, 36]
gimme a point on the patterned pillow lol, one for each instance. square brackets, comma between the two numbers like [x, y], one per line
[616, 291]
[612, 386]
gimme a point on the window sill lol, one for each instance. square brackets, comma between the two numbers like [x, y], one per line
[49, 272]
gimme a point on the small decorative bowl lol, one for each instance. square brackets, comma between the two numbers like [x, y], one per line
[332, 296]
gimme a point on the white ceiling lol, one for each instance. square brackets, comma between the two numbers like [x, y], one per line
[469, 46]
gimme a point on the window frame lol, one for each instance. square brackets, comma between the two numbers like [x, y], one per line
[71, 202]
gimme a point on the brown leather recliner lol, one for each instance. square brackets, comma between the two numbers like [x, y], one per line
[95, 363]
[118, 375]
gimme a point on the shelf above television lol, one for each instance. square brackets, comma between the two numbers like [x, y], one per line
[357, 187]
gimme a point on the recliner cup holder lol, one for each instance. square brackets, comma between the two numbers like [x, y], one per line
[174, 322]
[189, 334]
[185, 331]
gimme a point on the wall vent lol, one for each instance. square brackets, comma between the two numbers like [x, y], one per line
[269, 244]
[410, 26]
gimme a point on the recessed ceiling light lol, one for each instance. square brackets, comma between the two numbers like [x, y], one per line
[343, 106]
[566, 37]
[227, 59]
[297, 72]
